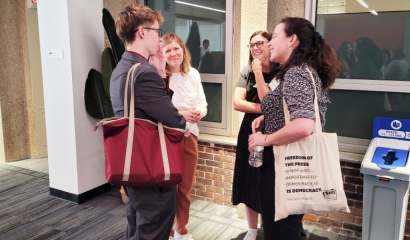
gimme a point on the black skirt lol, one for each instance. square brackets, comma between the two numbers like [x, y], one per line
[244, 189]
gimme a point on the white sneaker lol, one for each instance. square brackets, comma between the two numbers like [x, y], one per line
[187, 236]
[251, 234]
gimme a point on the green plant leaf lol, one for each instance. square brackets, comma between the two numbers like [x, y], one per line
[108, 65]
[116, 44]
[96, 101]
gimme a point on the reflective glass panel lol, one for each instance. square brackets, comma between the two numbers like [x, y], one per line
[213, 94]
[351, 113]
[201, 25]
[371, 37]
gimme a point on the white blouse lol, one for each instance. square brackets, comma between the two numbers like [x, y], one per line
[188, 94]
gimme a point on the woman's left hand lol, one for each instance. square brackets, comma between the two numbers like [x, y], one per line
[158, 61]
[256, 139]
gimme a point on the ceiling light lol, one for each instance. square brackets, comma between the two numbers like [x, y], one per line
[373, 12]
[331, 5]
[363, 3]
[199, 6]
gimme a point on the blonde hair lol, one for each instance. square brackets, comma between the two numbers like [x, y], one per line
[133, 16]
[186, 58]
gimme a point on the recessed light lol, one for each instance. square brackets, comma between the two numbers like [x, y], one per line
[199, 6]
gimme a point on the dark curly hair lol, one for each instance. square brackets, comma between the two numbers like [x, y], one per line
[315, 51]
[367, 50]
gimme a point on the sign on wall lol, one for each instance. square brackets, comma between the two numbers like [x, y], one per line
[32, 3]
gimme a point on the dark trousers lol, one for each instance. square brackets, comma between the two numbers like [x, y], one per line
[289, 228]
[150, 212]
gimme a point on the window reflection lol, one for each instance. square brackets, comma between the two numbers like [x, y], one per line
[351, 113]
[370, 43]
[213, 94]
[204, 31]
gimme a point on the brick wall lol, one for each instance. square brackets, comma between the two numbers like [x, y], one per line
[349, 224]
[214, 175]
[213, 183]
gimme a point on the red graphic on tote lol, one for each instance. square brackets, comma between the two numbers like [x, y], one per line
[34, 2]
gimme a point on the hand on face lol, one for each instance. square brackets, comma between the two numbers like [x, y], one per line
[158, 61]
[256, 65]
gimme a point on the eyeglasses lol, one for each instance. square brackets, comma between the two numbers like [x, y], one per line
[156, 29]
[258, 44]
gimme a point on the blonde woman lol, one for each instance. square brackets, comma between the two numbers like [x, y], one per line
[189, 99]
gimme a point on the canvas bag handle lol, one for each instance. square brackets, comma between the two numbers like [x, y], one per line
[130, 140]
[318, 125]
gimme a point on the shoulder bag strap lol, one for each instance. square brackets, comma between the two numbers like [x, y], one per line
[318, 125]
[130, 139]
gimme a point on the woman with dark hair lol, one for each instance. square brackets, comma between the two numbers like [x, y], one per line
[386, 62]
[346, 50]
[369, 60]
[302, 52]
[246, 100]
[189, 98]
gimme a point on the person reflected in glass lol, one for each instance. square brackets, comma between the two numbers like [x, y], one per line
[246, 100]
[386, 60]
[347, 51]
[369, 60]
[398, 67]
[299, 49]
[189, 99]
[398, 70]
[344, 67]
[205, 48]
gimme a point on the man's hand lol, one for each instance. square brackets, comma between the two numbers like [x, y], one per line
[158, 61]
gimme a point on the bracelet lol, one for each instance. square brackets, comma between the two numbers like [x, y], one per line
[265, 138]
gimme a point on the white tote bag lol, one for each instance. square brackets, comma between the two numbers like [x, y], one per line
[308, 175]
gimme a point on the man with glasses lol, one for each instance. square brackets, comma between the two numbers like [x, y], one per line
[150, 210]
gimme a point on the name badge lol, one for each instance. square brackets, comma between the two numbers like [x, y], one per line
[273, 84]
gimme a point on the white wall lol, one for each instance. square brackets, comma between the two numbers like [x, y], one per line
[75, 152]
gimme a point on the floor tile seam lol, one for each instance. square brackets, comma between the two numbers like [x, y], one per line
[10, 167]
[28, 174]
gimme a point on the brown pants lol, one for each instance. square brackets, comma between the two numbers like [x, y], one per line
[190, 146]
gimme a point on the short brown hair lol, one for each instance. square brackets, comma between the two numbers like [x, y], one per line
[264, 34]
[397, 53]
[186, 59]
[133, 16]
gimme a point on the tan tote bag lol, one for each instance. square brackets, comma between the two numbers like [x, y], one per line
[308, 177]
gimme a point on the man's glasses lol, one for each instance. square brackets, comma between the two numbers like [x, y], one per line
[156, 29]
[258, 44]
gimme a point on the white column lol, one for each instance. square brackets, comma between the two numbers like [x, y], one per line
[71, 43]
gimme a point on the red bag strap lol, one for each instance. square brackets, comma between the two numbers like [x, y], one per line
[130, 139]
